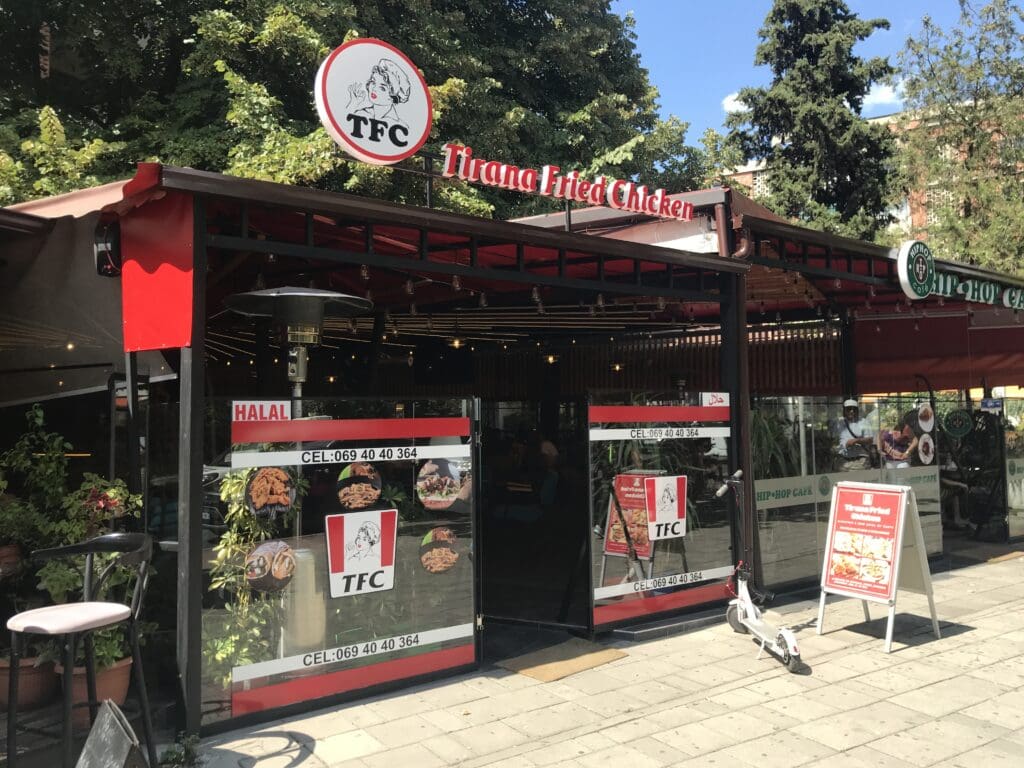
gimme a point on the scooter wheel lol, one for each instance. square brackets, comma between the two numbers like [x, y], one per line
[732, 615]
[794, 662]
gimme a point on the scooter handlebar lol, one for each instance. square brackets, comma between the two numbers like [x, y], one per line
[736, 476]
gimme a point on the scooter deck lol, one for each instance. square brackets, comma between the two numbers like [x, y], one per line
[761, 628]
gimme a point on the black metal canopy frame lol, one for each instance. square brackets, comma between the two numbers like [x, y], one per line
[244, 217]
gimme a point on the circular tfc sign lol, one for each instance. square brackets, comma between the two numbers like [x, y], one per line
[373, 101]
[916, 269]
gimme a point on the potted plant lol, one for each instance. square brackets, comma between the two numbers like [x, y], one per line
[88, 512]
[33, 476]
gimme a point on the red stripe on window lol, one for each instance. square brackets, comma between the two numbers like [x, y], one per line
[631, 608]
[318, 686]
[647, 414]
[388, 522]
[346, 429]
[335, 543]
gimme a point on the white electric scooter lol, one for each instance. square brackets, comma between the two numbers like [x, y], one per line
[744, 613]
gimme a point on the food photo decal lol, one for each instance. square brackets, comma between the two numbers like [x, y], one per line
[270, 492]
[359, 486]
[437, 550]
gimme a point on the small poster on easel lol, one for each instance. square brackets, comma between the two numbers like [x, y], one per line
[875, 548]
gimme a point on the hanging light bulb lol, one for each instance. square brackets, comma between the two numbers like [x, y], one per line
[898, 308]
[837, 284]
[591, 310]
[369, 295]
[867, 303]
[871, 291]
[364, 272]
[853, 313]
[661, 304]
[817, 310]
[483, 300]
[456, 283]
[412, 309]
[878, 328]
[535, 294]
[942, 301]
[409, 288]
[916, 326]
[600, 300]
[540, 308]
[778, 317]
[351, 326]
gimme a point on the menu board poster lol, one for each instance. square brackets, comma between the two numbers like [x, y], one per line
[631, 526]
[865, 532]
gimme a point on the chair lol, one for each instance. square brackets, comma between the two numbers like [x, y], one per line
[72, 621]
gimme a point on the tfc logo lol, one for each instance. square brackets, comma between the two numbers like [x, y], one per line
[361, 551]
[373, 101]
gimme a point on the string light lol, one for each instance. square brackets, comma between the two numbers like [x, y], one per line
[70, 346]
[456, 283]
[600, 300]
[364, 272]
[535, 294]
[483, 300]
[412, 310]
[409, 288]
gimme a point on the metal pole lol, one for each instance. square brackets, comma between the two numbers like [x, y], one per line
[192, 408]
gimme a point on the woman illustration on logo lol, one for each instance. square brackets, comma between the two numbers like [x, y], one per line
[387, 86]
[364, 545]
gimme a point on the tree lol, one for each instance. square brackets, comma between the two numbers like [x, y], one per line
[963, 137]
[532, 82]
[828, 167]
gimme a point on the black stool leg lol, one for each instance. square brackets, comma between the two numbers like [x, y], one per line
[69, 667]
[140, 689]
[12, 700]
[90, 676]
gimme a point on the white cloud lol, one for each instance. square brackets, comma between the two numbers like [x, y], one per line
[732, 103]
[882, 95]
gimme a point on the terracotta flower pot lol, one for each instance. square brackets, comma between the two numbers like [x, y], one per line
[36, 684]
[10, 559]
[111, 683]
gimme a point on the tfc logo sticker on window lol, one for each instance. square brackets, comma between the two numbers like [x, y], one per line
[665, 499]
[361, 551]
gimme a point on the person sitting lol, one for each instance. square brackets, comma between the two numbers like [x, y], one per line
[854, 442]
[897, 445]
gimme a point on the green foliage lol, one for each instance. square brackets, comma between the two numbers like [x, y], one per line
[227, 87]
[20, 522]
[773, 445]
[184, 753]
[35, 468]
[828, 167]
[964, 135]
[243, 632]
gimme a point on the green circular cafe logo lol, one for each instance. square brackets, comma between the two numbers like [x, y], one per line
[824, 485]
[916, 269]
[958, 423]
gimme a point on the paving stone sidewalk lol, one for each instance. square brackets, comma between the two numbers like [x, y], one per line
[704, 699]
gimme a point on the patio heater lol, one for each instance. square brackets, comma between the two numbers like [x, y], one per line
[299, 313]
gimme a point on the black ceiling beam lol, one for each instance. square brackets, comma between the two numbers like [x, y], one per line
[397, 263]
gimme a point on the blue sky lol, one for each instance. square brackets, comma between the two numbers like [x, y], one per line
[700, 52]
